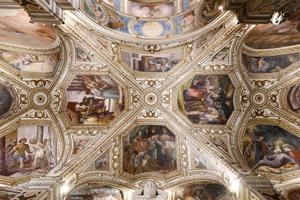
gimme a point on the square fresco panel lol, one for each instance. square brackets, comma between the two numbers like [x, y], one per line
[269, 64]
[30, 150]
[271, 149]
[293, 98]
[149, 149]
[94, 192]
[207, 99]
[143, 62]
[207, 191]
[94, 100]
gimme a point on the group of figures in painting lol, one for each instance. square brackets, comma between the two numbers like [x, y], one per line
[94, 99]
[207, 191]
[149, 149]
[200, 191]
[207, 99]
[94, 192]
[271, 149]
[269, 64]
[29, 150]
[150, 62]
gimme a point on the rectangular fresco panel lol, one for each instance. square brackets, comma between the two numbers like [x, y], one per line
[30, 150]
[28, 62]
[269, 64]
[94, 100]
[205, 191]
[152, 62]
[94, 192]
[207, 99]
[271, 149]
[149, 149]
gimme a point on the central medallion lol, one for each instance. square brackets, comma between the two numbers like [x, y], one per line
[150, 98]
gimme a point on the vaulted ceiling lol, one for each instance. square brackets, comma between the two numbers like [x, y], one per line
[97, 98]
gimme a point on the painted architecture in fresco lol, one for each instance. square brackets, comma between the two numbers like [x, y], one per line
[207, 99]
[149, 149]
[144, 62]
[209, 191]
[94, 100]
[6, 99]
[271, 149]
[94, 192]
[29, 150]
[294, 98]
[15, 28]
[269, 64]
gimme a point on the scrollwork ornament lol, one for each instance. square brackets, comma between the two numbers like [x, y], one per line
[37, 114]
[135, 98]
[56, 100]
[263, 113]
[262, 83]
[38, 83]
[273, 99]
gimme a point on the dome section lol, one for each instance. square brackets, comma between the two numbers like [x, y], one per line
[151, 23]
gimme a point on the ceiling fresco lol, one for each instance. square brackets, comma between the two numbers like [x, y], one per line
[16, 29]
[172, 99]
[265, 36]
[28, 151]
[207, 99]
